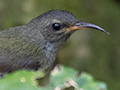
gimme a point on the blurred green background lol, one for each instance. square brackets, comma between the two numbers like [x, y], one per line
[87, 50]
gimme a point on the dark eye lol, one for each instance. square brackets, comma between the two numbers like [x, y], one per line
[56, 26]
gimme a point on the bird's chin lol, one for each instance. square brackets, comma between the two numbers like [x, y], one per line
[70, 32]
[66, 37]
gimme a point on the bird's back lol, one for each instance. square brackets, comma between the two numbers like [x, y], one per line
[18, 50]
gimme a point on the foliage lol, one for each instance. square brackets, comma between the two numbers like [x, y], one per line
[63, 79]
[86, 50]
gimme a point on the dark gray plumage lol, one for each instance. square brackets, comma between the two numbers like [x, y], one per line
[36, 44]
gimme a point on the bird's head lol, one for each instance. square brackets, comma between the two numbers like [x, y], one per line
[58, 25]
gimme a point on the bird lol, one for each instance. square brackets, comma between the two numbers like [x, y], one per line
[35, 45]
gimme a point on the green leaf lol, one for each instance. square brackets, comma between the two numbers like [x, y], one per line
[67, 77]
[63, 79]
[20, 80]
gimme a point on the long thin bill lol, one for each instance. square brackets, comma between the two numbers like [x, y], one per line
[89, 25]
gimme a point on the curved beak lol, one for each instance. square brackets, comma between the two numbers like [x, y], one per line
[81, 25]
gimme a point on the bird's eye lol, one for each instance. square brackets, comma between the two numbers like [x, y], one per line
[56, 26]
